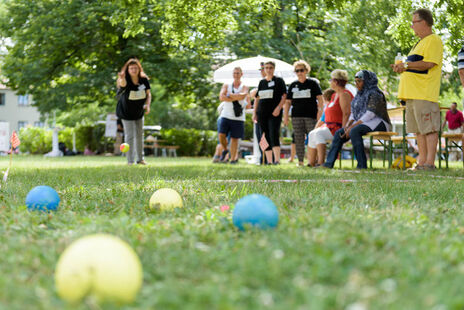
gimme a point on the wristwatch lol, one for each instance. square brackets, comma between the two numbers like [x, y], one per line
[406, 65]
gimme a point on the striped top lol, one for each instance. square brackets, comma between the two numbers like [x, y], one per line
[461, 58]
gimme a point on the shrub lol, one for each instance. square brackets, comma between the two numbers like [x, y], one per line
[191, 142]
[35, 140]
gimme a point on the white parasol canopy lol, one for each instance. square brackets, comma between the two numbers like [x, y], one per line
[251, 73]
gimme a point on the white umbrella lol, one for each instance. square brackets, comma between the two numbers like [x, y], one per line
[251, 73]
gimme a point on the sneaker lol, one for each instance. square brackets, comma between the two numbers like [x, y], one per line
[429, 167]
[234, 162]
[216, 159]
[276, 163]
[223, 155]
[142, 162]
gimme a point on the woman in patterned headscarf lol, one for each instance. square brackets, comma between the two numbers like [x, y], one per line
[368, 113]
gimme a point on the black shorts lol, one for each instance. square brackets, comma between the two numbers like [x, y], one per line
[235, 128]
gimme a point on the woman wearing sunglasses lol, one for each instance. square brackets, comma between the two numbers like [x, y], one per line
[305, 97]
[267, 111]
[368, 113]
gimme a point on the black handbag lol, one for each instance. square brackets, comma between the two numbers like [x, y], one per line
[238, 110]
[121, 98]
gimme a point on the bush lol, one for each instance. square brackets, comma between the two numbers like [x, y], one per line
[35, 140]
[191, 142]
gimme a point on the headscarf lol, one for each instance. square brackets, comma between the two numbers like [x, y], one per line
[369, 98]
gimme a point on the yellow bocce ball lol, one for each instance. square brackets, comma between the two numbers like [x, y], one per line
[102, 266]
[166, 199]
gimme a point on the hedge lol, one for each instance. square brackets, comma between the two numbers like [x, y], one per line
[191, 142]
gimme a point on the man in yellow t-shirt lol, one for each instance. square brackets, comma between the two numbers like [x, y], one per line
[420, 87]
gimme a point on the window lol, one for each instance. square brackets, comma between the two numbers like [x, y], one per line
[2, 99]
[38, 124]
[23, 100]
[21, 124]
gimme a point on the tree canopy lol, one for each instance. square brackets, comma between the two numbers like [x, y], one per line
[67, 53]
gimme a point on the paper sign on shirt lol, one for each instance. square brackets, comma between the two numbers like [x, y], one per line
[266, 94]
[270, 84]
[137, 94]
[295, 89]
[304, 93]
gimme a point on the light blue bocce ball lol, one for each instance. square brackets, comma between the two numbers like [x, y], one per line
[255, 210]
[42, 198]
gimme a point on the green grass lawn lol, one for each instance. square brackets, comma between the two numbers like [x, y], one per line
[379, 239]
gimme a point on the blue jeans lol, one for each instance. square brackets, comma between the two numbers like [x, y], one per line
[356, 136]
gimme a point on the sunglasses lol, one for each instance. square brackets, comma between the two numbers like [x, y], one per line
[299, 70]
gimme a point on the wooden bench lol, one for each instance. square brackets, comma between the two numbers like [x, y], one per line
[154, 144]
[454, 138]
[385, 141]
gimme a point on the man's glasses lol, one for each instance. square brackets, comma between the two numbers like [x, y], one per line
[416, 21]
[299, 70]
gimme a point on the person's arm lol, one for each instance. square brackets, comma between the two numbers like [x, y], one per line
[255, 108]
[444, 124]
[287, 105]
[121, 82]
[224, 96]
[414, 65]
[147, 102]
[246, 98]
[320, 106]
[345, 105]
[279, 107]
[223, 93]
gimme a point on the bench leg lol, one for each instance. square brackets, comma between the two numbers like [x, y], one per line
[384, 144]
[371, 146]
[163, 152]
[439, 146]
[446, 152]
[390, 154]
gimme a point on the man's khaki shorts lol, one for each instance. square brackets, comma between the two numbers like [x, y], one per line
[422, 116]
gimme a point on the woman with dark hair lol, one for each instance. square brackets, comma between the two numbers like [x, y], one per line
[133, 84]
[368, 113]
[267, 111]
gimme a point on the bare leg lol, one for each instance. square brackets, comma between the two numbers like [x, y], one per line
[223, 140]
[321, 153]
[422, 145]
[218, 150]
[268, 156]
[233, 148]
[276, 150]
[312, 153]
[431, 142]
[292, 152]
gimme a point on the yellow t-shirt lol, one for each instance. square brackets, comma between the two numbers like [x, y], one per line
[423, 85]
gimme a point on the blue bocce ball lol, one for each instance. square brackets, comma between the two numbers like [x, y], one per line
[43, 198]
[255, 211]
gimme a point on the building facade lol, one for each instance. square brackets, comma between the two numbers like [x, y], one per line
[17, 110]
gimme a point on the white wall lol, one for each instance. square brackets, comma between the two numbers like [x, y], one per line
[13, 113]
